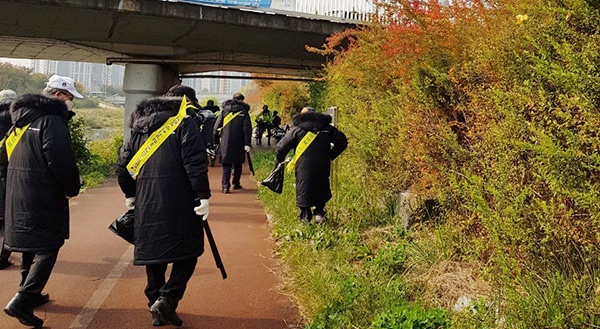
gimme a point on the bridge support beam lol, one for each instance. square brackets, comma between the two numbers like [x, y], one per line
[143, 81]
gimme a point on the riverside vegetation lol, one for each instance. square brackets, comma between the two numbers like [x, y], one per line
[490, 108]
[96, 158]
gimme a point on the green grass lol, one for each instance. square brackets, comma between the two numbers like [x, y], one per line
[99, 122]
[344, 273]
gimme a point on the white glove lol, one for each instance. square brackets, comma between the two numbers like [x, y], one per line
[130, 203]
[247, 148]
[202, 209]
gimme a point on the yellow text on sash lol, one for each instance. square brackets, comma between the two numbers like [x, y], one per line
[13, 139]
[302, 146]
[230, 117]
[156, 139]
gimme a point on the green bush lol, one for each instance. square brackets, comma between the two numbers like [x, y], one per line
[87, 102]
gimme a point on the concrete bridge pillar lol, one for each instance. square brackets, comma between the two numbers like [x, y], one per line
[143, 81]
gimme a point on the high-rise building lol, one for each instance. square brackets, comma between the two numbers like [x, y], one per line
[217, 86]
[93, 76]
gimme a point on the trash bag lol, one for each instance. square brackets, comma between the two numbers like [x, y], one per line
[123, 226]
[275, 180]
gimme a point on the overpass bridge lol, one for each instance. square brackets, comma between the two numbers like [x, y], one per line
[158, 41]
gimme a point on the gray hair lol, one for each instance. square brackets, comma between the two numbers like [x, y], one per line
[7, 96]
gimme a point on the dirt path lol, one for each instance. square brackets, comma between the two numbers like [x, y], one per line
[94, 284]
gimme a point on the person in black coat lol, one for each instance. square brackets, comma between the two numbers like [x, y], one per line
[210, 105]
[313, 166]
[7, 96]
[170, 199]
[234, 127]
[40, 176]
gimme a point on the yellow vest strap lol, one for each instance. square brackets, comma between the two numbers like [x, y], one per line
[302, 146]
[230, 117]
[157, 138]
[13, 139]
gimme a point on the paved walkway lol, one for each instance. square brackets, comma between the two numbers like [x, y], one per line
[94, 284]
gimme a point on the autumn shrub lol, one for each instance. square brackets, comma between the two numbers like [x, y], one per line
[285, 97]
[491, 108]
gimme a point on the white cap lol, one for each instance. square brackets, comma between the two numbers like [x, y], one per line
[64, 83]
[7, 96]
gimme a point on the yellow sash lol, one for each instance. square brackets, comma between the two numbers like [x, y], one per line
[13, 139]
[230, 117]
[157, 138]
[302, 146]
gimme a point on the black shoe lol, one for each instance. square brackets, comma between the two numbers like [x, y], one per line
[237, 187]
[4, 263]
[225, 190]
[19, 308]
[42, 299]
[162, 310]
[157, 321]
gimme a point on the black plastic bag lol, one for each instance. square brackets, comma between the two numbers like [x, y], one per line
[275, 180]
[123, 226]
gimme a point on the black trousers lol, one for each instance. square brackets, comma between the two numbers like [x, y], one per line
[227, 171]
[35, 271]
[4, 254]
[173, 289]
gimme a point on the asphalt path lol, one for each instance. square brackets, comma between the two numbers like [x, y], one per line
[95, 285]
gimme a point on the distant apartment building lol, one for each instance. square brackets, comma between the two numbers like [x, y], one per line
[93, 76]
[218, 86]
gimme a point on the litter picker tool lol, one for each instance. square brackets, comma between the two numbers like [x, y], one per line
[250, 163]
[213, 248]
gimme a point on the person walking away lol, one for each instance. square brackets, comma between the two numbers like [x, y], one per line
[210, 105]
[39, 169]
[7, 96]
[276, 131]
[235, 131]
[276, 122]
[312, 166]
[264, 124]
[169, 191]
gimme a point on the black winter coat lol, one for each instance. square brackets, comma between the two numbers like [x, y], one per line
[5, 124]
[168, 187]
[313, 166]
[40, 175]
[236, 134]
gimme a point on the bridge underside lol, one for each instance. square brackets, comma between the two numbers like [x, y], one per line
[189, 38]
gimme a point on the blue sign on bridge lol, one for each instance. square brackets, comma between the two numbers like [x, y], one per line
[247, 3]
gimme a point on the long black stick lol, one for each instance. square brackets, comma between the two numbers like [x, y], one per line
[213, 248]
[250, 163]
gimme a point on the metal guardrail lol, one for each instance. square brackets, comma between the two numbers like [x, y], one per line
[361, 10]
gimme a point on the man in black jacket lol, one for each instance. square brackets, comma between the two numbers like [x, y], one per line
[313, 165]
[7, 96]
[41, 175]
[170, 198]
[235, 130]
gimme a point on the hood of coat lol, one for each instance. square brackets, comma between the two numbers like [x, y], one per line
[234, 105]
[29, 107]
[152, 113]
[312, 121]
[5, 114]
